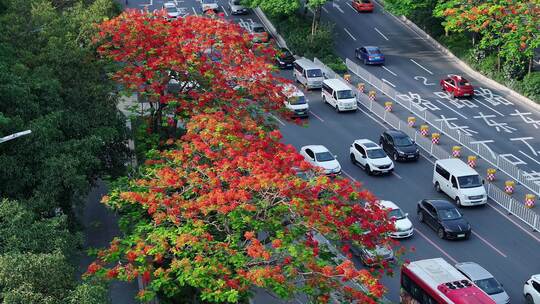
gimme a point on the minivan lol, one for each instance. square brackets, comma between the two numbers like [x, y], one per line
[337, 93]
[308, 73]
[459, 181]
[295, 100]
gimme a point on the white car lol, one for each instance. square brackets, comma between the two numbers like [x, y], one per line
[295, 100]
[531, 290]
[484, 280]
[172, 10]
[404, 227]
[319, 156]
[209, 5]
[370, 157]
[237, 8]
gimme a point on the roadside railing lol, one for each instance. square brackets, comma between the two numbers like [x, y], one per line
[512, 206]
[463, 139]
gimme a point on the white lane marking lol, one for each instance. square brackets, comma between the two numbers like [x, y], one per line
[281, 122]
[376, 29]
[436, 246]
[349, 33]
[517, 224]
[384, 80]
[485, 105]
[194, 11]
[316, 116]
[388, 70]
[224, 11]
[349, 176]
[350, 6]
[396, 175]
[489, 244]
[534, 160]
[325, 10]
[336, 6]
[451, 109]
[418, 64]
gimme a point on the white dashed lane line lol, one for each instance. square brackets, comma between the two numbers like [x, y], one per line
[316, 116]
[388, 70]
[349, 33]
[418, 64]
[376, 29]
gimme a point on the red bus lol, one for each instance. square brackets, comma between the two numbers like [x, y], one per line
[435, 281]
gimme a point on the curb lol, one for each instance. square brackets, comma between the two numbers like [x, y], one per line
[439, 47]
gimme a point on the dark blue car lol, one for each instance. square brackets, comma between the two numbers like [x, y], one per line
[369, 55]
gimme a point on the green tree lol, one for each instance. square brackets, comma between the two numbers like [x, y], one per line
[406, 7]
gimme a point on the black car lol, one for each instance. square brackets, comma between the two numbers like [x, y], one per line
[399, 145]
[284, 59]
[444, 218]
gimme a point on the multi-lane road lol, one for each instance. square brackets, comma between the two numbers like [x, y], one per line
[414, 68]
[499, 242]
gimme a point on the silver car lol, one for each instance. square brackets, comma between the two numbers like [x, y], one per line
[484, 280]
[237, 8]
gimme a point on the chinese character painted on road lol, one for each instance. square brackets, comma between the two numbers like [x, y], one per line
[499, 126]
[417, 101]
[493, 99]
[528, 120]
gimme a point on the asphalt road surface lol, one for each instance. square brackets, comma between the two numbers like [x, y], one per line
[499, 242]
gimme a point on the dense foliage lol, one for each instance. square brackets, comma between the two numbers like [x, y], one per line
[52, 84]
[222, 209]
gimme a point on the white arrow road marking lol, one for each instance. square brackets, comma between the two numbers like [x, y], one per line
[336, 6]
[418, 64]
[384, 80]
[381, 34]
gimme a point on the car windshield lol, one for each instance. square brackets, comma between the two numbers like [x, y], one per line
[374, 51]
[345, 94]
[236, 2]
[258, 29]
[324, 156]
[208, 1]
[171, 9]
[490, 286]
[469, 181]
[376, 153]
[403, 141]
[449, 214]
[314, 73]
[463, 83]
[297, 100]
[397, 214]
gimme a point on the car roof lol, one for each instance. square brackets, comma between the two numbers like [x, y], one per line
[170, 4]
[307, 64]
[458, 77]
[336, 84]
[396, 133]
[474, 271]
[316, 148]
[367, 143]
[441, 204]
[388, 205]
[368, 47]
[456, 166]
[536, 277]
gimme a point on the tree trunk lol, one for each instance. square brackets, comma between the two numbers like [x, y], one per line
[530, 64]
[498, 59]
[315, 22]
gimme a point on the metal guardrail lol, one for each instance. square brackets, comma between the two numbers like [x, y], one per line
[512, 206]
[465, 140]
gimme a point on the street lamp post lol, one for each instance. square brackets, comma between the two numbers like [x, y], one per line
[14, 135]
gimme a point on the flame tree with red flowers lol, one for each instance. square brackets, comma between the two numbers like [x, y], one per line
[223, 209]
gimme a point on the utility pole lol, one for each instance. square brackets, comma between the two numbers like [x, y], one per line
[14, 135]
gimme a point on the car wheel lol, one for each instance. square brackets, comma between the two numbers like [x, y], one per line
[458, 202]
[353, 159]
[467, 235]
[453, 95]
[420, 216]
[440, 233]
[437, 187]
[324, 99]
[365, 61]
[295, 79]
[337, 108]
[368, 170]
[529, 299]
[395, 155]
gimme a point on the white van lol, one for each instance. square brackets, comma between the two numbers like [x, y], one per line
[459, 181]
[308, 73]
[338, 94]
[295, 101]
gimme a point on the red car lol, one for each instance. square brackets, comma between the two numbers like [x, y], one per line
[363, 5]
[457, 86]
